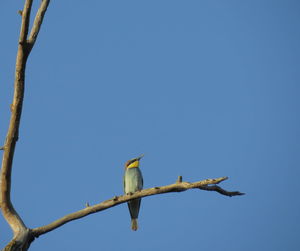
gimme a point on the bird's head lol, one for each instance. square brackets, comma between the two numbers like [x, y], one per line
[134, 162]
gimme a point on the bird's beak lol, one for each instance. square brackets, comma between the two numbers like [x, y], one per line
[141, 156]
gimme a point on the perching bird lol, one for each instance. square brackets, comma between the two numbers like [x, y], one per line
[133, 181]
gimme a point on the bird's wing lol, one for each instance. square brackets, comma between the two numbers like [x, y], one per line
[124, 182]
[140, 177]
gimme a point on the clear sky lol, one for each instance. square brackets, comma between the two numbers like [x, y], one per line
[204, 89]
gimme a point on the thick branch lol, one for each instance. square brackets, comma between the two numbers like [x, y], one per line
[177, 187]
[7, 208]
[24, 48]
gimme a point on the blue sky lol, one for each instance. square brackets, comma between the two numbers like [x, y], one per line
[204, 89]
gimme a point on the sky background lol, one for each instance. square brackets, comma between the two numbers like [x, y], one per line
[204, 89]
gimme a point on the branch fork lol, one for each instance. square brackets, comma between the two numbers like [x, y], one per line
[25, 45]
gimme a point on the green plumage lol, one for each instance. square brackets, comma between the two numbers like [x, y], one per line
[133, 181]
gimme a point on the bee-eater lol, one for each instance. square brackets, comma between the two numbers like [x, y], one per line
[133, 181]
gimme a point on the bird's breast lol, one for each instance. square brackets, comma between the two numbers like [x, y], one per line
[132, 180]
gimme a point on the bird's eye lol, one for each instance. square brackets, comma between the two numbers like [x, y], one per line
[128, 162]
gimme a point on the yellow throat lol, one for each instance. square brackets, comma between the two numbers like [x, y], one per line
[134, 164]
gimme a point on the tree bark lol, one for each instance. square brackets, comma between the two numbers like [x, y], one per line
[22, 236]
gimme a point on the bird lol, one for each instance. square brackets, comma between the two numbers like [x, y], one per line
[133, 182]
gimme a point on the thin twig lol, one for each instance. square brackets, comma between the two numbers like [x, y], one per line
[221, 190]
[116, 200]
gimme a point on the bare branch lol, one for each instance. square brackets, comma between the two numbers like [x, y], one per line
[25, 13]
[37, 22]
[7, 208]
[24, 48]
[221, 190]
[116, 200]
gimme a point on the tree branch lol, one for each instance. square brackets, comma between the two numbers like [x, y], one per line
[7, 208]
[24, 48]
[25, 21]
[179, 186]
[221, 190]
[37, 22]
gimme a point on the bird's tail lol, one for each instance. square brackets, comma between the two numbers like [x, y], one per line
[134, 224]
